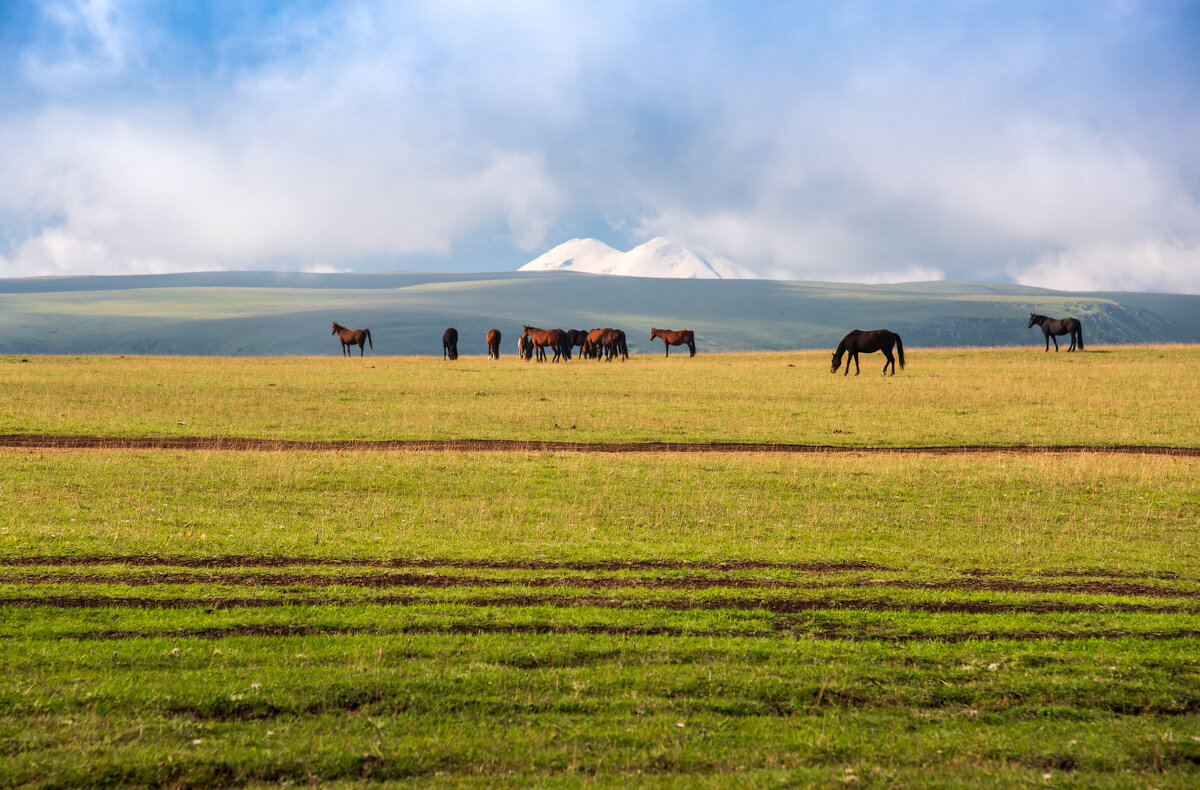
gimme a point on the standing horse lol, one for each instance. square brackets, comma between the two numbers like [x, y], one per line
[493, 343]
[554, 338]
[1058, 326]
[575, 337]
[868, 343]
[675, 338]
[450, 344]
[350, 337]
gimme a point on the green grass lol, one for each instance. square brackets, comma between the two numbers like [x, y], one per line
[1131, 395]
[1016, 512]
[529, 619]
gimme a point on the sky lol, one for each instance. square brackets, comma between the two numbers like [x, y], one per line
[1048, 143]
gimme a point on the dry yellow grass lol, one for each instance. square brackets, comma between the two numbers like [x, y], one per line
[1125, 395]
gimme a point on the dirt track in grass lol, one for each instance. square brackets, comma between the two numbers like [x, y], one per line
[773, 605]
[50, 442]
[685, 583]
[783, 628]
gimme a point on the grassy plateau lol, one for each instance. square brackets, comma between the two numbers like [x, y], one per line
[355, 616]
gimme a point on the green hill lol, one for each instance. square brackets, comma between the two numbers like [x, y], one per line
[267, 313]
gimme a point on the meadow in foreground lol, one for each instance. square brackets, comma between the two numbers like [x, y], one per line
[522, 619]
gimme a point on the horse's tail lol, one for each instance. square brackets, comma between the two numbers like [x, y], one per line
[900, 351]
[1079, 331]
[368, 331]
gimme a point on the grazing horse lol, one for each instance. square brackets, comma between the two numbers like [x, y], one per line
[671, 337]
[868, 343]
[1058, 326]
[614, 344]
[350, 337]
[554, 338]
[450, 344]
[575, 337]
[592, 345]
[524, 348]
[493, 343]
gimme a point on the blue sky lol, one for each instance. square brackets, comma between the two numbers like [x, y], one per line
[1052, 143]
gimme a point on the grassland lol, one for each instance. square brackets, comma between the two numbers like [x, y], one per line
[221, 618]
[1128, 395]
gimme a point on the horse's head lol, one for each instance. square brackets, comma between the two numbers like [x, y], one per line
[1033, 319]
[653, 333]
[335, 328]
[835, 364]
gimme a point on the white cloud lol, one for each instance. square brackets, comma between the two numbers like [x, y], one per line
[802, 143]
[1158, 266]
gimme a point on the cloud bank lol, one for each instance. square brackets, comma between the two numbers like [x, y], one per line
[1049, 145]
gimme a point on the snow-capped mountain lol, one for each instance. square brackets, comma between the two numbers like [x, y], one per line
[658, 257]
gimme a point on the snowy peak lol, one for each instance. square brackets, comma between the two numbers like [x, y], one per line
[658, 257]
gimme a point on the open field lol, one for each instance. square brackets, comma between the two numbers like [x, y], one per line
[1127, 395]
[343, 616]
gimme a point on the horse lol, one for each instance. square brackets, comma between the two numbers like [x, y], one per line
[493, 343]
[1058, 326]
[671, 337]
[868, 343]
[350, 337]
[614, 344]
[593, 344]
[450, 344]
[575, 337]
[554, 338]
[524, 348]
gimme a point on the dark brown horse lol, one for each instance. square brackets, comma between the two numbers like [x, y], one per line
[868, 343]
[575, 337]
[493, 343]
[524, 347]
[350, 337]
[541, 338]
[450, 344]
[1058, 326]
[670, 337]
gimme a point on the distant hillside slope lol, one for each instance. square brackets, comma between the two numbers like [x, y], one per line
[263, 313]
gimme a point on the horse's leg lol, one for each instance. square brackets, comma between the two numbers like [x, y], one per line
[667, 346]
[1055, 338]
[362, 348]
[887, 353]
[857, 370]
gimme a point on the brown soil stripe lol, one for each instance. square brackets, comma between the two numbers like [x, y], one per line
[246, 561]
[436, 581]
[772, 605]
[276, 561]
[607, 630]
[49, 442]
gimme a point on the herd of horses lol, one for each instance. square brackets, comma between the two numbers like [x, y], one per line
[609, 344]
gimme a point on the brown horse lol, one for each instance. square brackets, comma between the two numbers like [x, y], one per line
[350, 337]
[1058, 326]
[868, 343]
[524, 348]
[450, 344]
[541, 338]
[671, 337]
[575, 337]
[493, 343]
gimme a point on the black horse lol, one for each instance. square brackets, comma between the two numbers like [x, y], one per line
[450, 344]
[868, 342]
[1059, 326]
